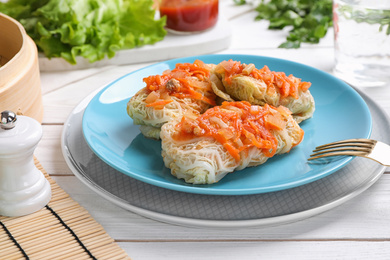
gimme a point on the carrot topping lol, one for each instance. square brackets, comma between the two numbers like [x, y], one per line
[275, 122]
[234, 152]
[283, 110]
[186, 80]
[238, 126]
[304, 85]
[159, 104]
[276, 81]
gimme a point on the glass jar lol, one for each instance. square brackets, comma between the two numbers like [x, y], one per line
[189, 16]
[362, 42]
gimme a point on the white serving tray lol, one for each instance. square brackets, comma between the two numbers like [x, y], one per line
[173, 46]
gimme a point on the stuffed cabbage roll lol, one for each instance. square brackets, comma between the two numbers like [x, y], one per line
[203, 149]
[263, 86]
[183, 90]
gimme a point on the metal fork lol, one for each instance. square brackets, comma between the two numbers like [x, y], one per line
[367, 148]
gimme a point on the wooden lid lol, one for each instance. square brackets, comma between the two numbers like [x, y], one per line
[20, 86]
[12, 40]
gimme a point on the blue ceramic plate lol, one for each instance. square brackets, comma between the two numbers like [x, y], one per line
[340, 114]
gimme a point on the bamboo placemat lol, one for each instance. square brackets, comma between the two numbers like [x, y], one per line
[61, 230]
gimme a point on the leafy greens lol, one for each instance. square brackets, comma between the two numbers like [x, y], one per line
[308, 19]
[92, 29]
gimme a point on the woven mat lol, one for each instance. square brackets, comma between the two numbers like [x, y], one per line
[61, 230]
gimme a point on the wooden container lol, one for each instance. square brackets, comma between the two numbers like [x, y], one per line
[20, 84]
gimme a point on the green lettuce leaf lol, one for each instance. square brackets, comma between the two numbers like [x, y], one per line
[92, 29]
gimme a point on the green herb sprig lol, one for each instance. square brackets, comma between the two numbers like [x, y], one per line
[309, 20]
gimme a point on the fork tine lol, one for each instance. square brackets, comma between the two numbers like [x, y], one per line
[353, 147]
[348, 142]
[314, 156]
[342, 149]
[349, 146]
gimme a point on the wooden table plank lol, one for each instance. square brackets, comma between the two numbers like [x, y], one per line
[357, 229]
[304, 250]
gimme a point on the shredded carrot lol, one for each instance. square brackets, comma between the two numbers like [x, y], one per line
[304, 85]
[235, 153]
[236, 129]
[159, 104]
[276, 81]
[193, 78]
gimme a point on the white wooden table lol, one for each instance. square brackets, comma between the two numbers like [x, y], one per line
[358, 229]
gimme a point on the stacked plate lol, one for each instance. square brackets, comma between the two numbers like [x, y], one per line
[106, 151]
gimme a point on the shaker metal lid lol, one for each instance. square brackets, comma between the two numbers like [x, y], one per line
[8, 119]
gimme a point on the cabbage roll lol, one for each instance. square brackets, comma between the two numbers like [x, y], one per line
[262, 86]
[183, 90]
[203, 149]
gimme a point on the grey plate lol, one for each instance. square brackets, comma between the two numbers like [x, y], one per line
[220, 211]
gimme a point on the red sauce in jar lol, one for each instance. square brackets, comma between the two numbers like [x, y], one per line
[189, 15]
